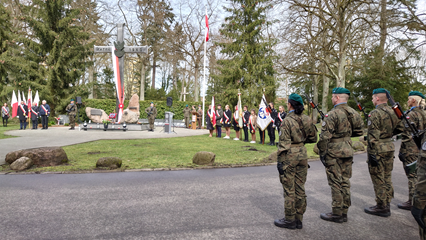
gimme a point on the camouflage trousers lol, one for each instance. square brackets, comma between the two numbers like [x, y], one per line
[381, 176]
[293, 178]
[339, 173]
[419, 198]
[151, 121]
[411, 177]
[72, 121]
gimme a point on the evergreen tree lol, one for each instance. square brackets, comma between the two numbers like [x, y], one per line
[5, 26]
[249, 62]
[55, 48]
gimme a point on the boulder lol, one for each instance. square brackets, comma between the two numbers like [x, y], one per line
[21, 163]
[203, 158]
[96, 118]
[362, 140]
[316, 150]
[41, 157]
[134, 104]
[109, 162]
[129, 116]
[358, 146]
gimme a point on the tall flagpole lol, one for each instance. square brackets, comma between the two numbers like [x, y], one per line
[204, 82]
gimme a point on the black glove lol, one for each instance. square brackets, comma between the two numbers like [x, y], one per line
[373, 160]
[280, 168]
[418, 216]
[322, 158]
[401, 157]
[410, 168]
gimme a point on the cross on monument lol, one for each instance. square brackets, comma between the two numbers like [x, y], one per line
[119, 51]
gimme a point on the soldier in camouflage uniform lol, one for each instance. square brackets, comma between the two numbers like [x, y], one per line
[382, 125]
[336, 152]
[296, 130]
[151, 111]
[72, 112]
[409, 151]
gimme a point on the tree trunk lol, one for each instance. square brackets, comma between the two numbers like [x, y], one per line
[383, 32]
[342, 50]
[91, 70]
[196, 93]
[153, 72]
[142, 88]
[315, 88]
[325, 87]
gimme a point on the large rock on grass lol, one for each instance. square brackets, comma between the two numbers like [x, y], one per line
[96, 118]
[21, 164]
[203, 158]
[358, 146]
[109, 162]
[41, 157]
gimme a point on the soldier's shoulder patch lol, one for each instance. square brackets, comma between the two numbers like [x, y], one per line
[424, 146]
[326, 115]
[369, 115]
[323, 123]
[369, 122]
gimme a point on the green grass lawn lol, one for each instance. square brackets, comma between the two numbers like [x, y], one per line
[10, 126]
[166, 152]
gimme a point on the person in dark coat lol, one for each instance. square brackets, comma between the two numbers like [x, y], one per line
[44, 114]
[5, 114]
[209, 116]
[246, 117]
[22, 115]
[227, 116]
[34, 115]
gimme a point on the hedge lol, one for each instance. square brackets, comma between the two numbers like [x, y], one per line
[108, 105]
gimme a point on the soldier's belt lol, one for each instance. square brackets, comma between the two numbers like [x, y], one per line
[334, 140]
[296, 145]
[385, 140]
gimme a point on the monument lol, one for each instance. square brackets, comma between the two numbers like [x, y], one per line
[117, 51]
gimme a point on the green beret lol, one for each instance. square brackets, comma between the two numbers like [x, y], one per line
[340, 90]
[186, 105]
[152, 102]
[379, 90]
[416, 93]
[71, 100]
[296, 97]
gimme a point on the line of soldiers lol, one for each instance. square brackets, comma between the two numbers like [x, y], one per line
[336, 154]
[228, 119]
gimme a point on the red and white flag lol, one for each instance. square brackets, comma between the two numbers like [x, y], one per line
[14, 105]
[19, 97]
[23, 98]
[29, 101]
[207, 27]
[213, 115]
[117, 78]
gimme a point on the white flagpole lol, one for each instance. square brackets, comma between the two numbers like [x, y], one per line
[204, 81]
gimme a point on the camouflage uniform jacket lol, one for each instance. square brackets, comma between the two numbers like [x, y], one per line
[382, 125]
[417, 116]
[336, 131]
[292, 137]
[186, 112]
[152, 112]
[72, 108]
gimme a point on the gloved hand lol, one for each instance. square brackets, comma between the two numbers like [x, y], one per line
[418, 216]
[373, 160]
[322, 158]
[401, 157]
[280, 168]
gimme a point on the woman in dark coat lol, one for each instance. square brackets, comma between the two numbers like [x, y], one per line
[209, 116]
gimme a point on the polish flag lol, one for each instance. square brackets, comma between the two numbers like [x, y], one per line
[14, 105]
[19, 97]
[117, 79]
[37, 99]
[207, 27]
[23, 97]
[213, 117]
[29, 102]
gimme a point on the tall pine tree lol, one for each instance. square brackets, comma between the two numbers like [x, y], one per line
[55, 45]
[250, 55]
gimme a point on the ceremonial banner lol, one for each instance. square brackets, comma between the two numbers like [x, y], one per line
[14, 105]
[29, 102]
[207, 27]
[240, 111]
[37, 99]
[264, 114]
[117, 79]
[213, 116]
[19, 98]
[23, 98]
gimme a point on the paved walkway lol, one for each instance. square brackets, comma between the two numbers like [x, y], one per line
[61, 136]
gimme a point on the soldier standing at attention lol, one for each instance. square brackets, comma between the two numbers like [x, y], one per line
[271, 127]
[152, 114]
[409, 151]
[72, 112]
[200, 117]
[186, 115]
[219, 120]
[336, 153]
[296, 130]
[382, 125]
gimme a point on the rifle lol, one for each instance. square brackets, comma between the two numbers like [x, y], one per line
[360, 108]
[314, 106]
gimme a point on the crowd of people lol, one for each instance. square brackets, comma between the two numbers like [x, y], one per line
[227, 119]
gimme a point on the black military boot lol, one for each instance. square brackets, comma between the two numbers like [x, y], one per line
[299, 224]
[405, 205]
[345, 217]
[378, 210]
[332, 217]
[283, 223]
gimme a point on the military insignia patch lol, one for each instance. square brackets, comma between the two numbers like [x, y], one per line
[424, 146]
[369, 122]
[369, 115]
[326, 115]
[323, 123]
